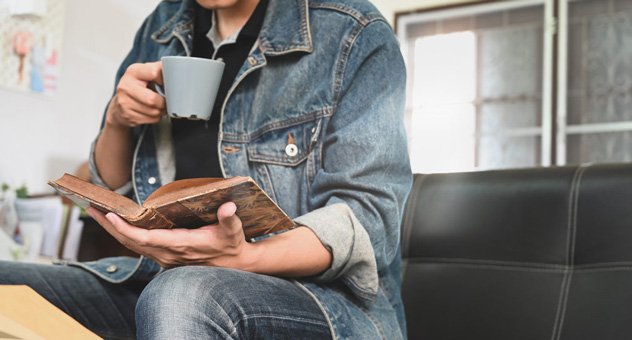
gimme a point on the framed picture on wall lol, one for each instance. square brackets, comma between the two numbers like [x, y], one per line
[30, 44]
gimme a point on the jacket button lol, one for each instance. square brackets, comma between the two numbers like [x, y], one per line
[252, 61]
[291, 150]
[111, 269]
[151, 180]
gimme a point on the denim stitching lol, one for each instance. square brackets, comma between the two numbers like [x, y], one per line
[322, 309]
[362, 19]
[248, 138]
[282, 317]
[183, 42]
[280, 160]
[135, 171]
[360, 292]
[374, 321]
[265, 175]
[163, 29]
[306, 35]
[342, 65]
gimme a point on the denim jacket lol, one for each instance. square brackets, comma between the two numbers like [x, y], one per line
[326, 76]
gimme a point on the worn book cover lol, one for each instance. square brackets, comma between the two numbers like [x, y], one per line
[188, 203]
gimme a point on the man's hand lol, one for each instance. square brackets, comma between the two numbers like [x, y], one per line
[295, 253]
[134, 103]
[222, 244]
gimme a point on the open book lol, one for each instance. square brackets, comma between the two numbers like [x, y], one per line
[188, 203]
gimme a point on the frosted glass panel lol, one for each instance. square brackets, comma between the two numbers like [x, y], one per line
[509, 62]
[600, 147]
[476, 79]
[600, 62]
[508, 152]
[499, 116]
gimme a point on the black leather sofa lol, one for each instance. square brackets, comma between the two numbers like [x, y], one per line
[543, 253]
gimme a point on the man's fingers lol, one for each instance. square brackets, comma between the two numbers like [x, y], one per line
[105, 223]
[228, 219]
[147, 71]
[144, 96]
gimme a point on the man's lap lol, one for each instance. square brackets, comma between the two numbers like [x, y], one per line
[192, 300]
[106, 309]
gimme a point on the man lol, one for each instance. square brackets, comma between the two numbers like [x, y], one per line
[311, 107]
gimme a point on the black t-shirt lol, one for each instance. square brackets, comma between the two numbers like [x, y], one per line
[195, 141]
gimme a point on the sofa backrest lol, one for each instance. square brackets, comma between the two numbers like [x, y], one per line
[541, 253]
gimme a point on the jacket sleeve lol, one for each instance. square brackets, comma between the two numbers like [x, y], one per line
[141, 52]
[366, 175]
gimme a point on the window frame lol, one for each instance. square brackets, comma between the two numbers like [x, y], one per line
[548, 115]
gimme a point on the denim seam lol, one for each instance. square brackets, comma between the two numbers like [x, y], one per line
[265, 174]
[360, 292]
[322, 308]
[183, 42]
[342, 62]
[218, 327]
[359, 17]
[306, 46]
[53, 292]
[104, 277]
[279, 160]
[282, 317]
[118, 314]
[374, 321]
[163, 29]
[247, 138]
[134, 162]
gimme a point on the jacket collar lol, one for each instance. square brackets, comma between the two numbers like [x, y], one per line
[285, 28]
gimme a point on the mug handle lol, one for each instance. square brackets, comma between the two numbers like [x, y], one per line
[160, 90]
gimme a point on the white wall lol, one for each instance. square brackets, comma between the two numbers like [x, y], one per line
[43, 137]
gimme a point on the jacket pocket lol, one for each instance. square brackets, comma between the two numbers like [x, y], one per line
[284, 162]
[287, 146]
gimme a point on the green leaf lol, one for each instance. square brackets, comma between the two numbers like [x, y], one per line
[22, 192]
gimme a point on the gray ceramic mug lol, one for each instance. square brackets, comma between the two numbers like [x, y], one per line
[190, 86]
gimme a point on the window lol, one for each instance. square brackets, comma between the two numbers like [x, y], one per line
[443, 105]
[481, 92]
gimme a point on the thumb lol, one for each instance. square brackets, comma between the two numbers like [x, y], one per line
[227, 217]
[112, 218]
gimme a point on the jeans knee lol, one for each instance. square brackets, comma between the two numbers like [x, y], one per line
[183, 301]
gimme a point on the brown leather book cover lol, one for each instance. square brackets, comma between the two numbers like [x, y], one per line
[188, 203]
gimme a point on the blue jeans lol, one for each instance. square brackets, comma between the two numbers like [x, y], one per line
[181, 303]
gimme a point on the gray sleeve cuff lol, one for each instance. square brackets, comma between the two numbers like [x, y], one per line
[353, 258]
[96, 179]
